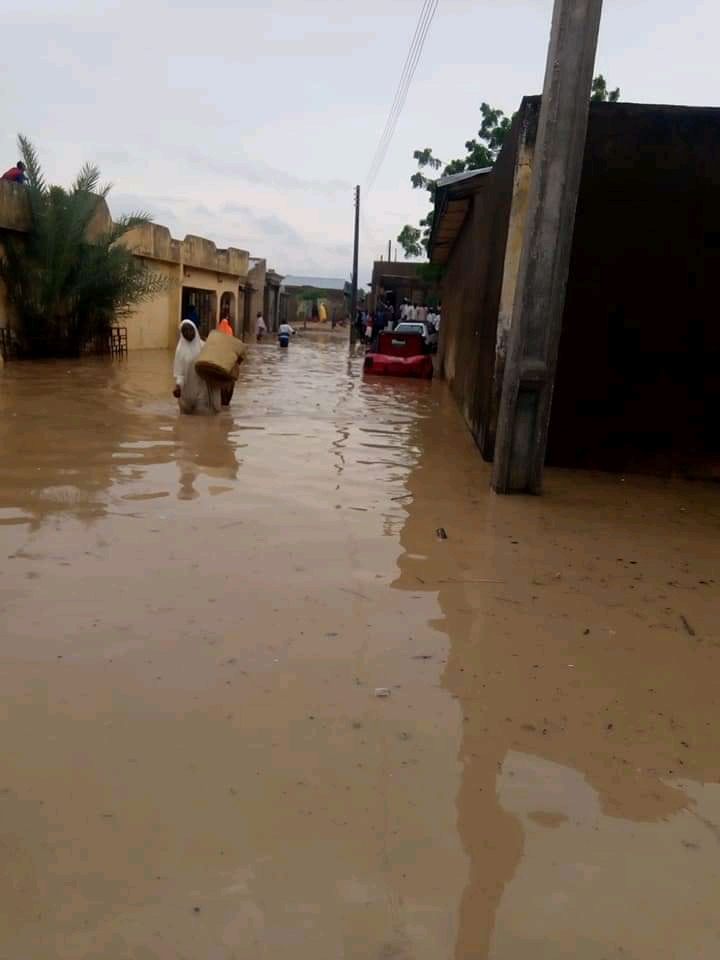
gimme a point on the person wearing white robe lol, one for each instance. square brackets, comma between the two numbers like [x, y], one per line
[194, 395]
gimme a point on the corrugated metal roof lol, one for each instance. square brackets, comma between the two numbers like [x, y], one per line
[452, 202]
[465, 175]
[319, 283]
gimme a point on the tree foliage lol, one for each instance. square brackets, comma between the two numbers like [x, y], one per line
[480, 152]
[67, 283]
[600, 92]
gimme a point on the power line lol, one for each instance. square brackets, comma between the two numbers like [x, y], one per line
[411, 61]
[417, 43]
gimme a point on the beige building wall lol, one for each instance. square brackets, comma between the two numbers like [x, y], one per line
[256, 278]
[150, 325]
[513, 249]
[193, 263]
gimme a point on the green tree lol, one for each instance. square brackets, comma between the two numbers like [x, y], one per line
[411, 240]
[480, 152]
[65, 285]
[600, 92]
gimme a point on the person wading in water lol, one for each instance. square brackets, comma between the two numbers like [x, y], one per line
[194, 395]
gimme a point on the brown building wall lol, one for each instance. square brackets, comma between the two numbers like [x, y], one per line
[471, 294]
[396, 281]
[638, 382]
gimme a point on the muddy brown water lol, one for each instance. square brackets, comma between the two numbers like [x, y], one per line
[196, 615]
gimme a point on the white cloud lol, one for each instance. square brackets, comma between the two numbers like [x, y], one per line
[249, 122]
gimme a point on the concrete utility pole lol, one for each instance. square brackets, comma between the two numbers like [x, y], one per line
[354, 289]
[524, 414]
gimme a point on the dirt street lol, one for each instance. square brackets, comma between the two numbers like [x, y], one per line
[256, 705]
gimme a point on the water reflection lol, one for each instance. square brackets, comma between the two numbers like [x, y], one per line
[77, 437]
[68, 431]
[567, 619]
[204, 446]
[594, 886]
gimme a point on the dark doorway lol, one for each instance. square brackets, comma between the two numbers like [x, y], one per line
[227, 309]
[200, 306]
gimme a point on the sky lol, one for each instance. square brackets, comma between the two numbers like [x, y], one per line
[250, 122]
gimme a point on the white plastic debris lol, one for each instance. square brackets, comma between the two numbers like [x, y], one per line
[382, 691]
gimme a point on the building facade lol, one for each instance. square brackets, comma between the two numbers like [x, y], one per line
[307, 299]
[638, 378]
[202, 281]
[394, 281]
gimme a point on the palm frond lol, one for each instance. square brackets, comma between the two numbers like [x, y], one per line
[66, 283]
[30, 158]
[87, 180]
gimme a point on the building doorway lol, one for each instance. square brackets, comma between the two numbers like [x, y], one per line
[200, 306]
[227, 309]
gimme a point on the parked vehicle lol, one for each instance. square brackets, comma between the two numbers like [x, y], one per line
[428, 333]
[403, 354]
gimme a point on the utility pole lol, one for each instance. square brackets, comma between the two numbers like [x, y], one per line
[354, 289]
[526, 400]
[389, 251]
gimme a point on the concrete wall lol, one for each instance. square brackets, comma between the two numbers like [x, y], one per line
[6, 317]
[638, 380]
[273, 281]
[399, 280]
[154, 325]
[256, 280]
[14, 210]
[472, 287]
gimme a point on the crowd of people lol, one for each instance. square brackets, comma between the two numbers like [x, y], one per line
[369, 324]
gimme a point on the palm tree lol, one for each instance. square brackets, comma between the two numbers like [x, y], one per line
[68, 278]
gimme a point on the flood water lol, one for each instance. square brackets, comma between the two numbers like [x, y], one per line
[255, 705]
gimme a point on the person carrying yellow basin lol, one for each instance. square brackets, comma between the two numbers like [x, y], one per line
[202, 385]
[192, 394]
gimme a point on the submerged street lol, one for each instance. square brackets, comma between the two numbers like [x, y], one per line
[290, 682]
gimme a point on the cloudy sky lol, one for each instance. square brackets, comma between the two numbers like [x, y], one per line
[249, 122]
